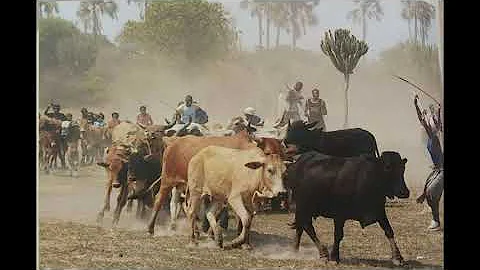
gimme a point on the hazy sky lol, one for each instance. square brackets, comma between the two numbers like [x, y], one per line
[331, 14]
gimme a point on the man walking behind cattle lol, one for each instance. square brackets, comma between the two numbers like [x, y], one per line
[433, 188]
[144, 118]
[315, 109]
[294, 104]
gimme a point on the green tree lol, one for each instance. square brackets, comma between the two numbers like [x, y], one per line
[47, 9]
[194, 29]
[51, 32]
[61, 44]
[366, 9]
[90, 14]
[344, 50]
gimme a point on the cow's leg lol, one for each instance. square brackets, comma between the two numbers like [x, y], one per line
[298, 236]
[175, 207]
[246, 218]
[143, 211]
[130, 205]
[159, 201]
[138, 213]
[192, 213]
[106, 204]
[61, 152]
[397, 258]
[121, 201]
[335, 253]
[212, 211]
[322, 249]
[239, 225]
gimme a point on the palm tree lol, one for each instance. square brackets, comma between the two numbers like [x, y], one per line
[407, 14]
[256, 10]
[142, 7]
[366, 9]
[90, 13]
[426, 13]
[280, 19]
[300, 14]
[48, 8]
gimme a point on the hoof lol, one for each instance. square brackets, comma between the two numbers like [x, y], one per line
[228, 246]
[172, 227]
[100, 218]
[150, 231]
[247, 247]
[323, 253]
[398, 262]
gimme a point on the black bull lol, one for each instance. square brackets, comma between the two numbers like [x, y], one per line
[342, 143]
[342, 189]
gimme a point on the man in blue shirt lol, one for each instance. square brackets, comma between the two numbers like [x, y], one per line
[187, 110]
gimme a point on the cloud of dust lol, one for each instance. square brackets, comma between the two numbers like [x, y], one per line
[286, 252]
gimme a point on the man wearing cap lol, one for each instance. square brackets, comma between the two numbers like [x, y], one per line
[315, 110]
[144, 118]
[252, 118]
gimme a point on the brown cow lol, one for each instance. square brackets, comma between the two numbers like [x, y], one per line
[49, 141]
[175, 164]
[115, 165]
[127, 138]
[232, 175]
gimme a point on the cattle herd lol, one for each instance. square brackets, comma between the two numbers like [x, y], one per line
[338, 174]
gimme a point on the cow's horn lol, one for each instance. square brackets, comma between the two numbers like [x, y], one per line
[170, 125]
[311, 125]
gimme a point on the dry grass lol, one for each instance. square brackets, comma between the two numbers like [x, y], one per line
[66, 244]
[70, 238]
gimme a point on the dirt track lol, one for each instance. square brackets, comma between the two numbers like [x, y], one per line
[70, 237]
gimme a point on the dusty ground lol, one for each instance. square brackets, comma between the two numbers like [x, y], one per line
[69, 236]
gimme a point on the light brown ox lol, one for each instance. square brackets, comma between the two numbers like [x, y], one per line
[234, 176]
[175, 164]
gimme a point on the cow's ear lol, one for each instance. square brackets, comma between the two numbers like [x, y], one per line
[404, 161]
[260, 143]
[102, 164]
[254, 165]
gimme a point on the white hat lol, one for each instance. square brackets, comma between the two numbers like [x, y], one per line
[249, 110]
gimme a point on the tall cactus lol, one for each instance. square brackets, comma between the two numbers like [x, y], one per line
[345, 50]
